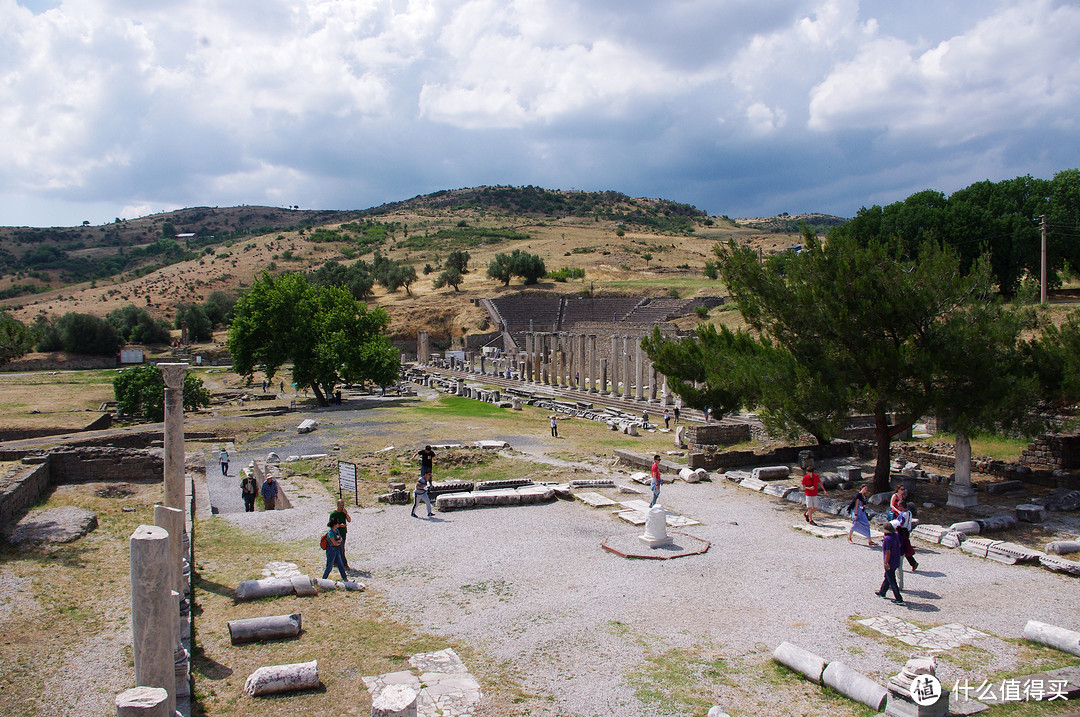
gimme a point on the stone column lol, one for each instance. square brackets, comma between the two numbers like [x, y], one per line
[423, 348]
[603, 375]
[592, 365]
[627, 370]
[560, 350]
[639, 370]
[652, 382]
[545, 359]
[526, 375]
[962, 495]
[615, 365]
[174, 433]
[153, 616]
[667, 393]
[582, 374]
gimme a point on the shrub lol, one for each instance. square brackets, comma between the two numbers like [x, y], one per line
[701, 311]
[565, 273]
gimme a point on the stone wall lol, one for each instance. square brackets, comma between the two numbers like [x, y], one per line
[1053, 451]
[21, 490]
[716, 434]
[101, 463]
[21, 434]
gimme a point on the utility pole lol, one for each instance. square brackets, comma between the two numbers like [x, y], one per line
[1042, 272]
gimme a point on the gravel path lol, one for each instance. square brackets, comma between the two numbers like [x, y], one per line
[532, 586]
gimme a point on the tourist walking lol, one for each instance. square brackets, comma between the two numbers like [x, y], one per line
[223, 458]
[645, 419]
[860, 523]
[334, 557]
[427, 461]
[811, 483]
[667, 418]
[422, 492]
[890, 551]
[677, 413]
[269, 492]
[342, 517]
[554, 426]
[248, 489]
[903, 529]
[656, 482]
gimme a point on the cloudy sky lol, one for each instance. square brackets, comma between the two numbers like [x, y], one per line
[120, 108]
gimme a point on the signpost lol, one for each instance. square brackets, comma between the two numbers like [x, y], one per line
[346, 478]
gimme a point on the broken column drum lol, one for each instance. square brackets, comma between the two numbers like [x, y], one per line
[153, 618]
[655, 528]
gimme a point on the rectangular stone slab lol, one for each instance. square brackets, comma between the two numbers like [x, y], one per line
[1011, 553]
[929, 533]
[595, 499]
[753, 484]
[978, 546]
[780, 490]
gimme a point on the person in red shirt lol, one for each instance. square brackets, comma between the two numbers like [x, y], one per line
[655, 470]
[811, 487]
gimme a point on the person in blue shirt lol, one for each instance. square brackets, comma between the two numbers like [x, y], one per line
[892, 551]
[269, 492]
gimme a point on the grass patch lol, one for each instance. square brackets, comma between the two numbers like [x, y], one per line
[678, 680]
[1001, 448]
[458, 407]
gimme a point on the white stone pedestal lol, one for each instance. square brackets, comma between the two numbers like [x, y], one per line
[655, 528]
[962, 497]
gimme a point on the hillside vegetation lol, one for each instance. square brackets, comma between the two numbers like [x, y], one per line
[623, 244]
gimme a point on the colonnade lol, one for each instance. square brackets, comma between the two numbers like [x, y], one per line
[571, 361]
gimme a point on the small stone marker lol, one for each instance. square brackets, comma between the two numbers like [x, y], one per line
[394, 701]
[900, 701]
[655, 528]
[849, 473]
[143, 702]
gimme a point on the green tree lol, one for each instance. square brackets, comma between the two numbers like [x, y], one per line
[193, 317]
[855, 326]
[458, 260]
[329, 336]
[450, 277]
[79, 334]
[529, 267]
[218, 307]
[1054, 357]
[501, 269]
[16, 338]
[140, 391]
[136, 325]
[168, 230]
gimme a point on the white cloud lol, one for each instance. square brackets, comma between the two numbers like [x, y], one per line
[1010, 70]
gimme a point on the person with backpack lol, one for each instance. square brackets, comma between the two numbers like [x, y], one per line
[248, 490]
[860, 523]
[331, 543]
[341, 517]
[903, 529]
[427, 461]
[422, 492]
[223, 458]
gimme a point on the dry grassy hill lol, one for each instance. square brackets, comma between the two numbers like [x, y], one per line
[625, 245]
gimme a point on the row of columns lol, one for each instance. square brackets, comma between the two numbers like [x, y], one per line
[572, 361]
[568, 360]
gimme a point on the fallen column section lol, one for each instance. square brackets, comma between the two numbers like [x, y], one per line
[1056, 637]
[802, 661]
[274, 627]
[855, 686]
[276, 679]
